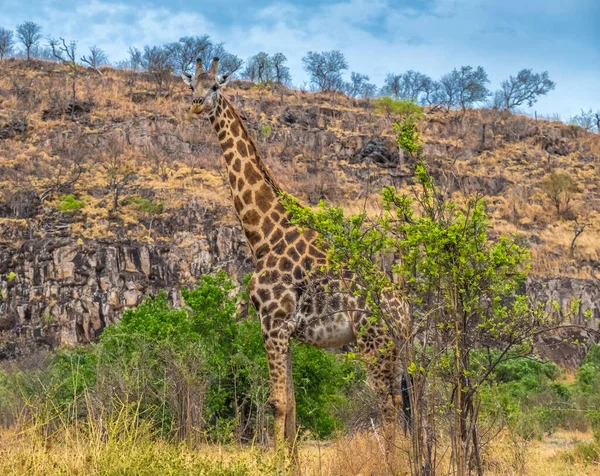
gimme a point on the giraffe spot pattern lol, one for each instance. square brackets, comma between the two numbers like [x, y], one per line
[237, 165]
[252, 175]
[242, 149]
[228, 144]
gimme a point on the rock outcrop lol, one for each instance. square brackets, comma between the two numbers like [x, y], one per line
[60, 292]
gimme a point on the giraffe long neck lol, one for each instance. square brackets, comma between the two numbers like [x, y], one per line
[255, 194]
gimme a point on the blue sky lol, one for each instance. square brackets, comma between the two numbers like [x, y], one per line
[377, 36]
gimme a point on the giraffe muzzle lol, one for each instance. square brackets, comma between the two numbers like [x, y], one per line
[197, 106]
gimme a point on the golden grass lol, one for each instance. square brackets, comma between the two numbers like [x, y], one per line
[123, 448]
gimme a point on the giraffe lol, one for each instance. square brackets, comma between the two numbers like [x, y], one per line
[291, 294]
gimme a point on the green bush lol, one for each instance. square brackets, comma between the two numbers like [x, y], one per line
[408, 137]
[398, 107]
[69, 204]
[146, 205]
[195, 372]
[264, 131]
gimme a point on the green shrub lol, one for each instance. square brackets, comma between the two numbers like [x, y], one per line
[398, 107]
[69, 204]
[146, 205]
[408, 137]
[264, 131]
[589, 453]
[221, 358]
[10, 277]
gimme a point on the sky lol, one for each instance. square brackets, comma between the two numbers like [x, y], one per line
[376, 36]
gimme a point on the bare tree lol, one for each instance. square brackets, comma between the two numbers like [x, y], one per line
[578, 229]
[229, 63]
[29, 33]
[96, 58]
[119, 171]
[359, 86]
[411, 85]
[464, 87]
[281, 73]
[183, 53]
[132, 66]
[67, 54]
[525, 88]
[155, 60]
[6, 42]
[589, 120]
[325, 69]
[259, 68]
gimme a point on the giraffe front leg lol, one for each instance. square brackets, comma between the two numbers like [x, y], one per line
[278, 354]
[290, 416]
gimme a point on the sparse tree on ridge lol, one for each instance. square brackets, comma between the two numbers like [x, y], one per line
[6, 42]
[155, 60]
[588, 120]
[259, 68]
[95, 59]
[463, 88]
[359, 86]
[183, 53]
[29, 34]
[67, 54]
[325, 69]
[264, 68]
[281, 73]
[410, 85]
[525, 88]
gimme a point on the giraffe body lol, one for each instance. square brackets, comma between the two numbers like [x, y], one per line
[291, 294]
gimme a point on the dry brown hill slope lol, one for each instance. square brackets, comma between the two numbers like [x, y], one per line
[122, 192]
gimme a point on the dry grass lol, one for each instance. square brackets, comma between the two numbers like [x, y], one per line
[121, 447]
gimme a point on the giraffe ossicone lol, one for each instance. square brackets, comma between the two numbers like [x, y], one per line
[291, 295]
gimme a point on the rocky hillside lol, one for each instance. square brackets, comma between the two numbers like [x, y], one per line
[119, 193]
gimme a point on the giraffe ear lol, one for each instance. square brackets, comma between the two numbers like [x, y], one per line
[224, 80]
[187, 78]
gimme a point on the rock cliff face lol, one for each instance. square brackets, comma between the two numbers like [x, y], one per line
[61, 292]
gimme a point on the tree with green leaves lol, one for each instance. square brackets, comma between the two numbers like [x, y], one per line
[406, 115]
[468, 309]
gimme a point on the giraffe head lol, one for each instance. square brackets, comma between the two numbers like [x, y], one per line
[205, 86]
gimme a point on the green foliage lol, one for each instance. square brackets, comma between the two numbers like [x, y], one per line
[11, 276]
[322, 381]
[408, 137]
[197, 370]
[264, 131]
[465, 292]
[146, 205]
[69, 204]
[401, 108]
